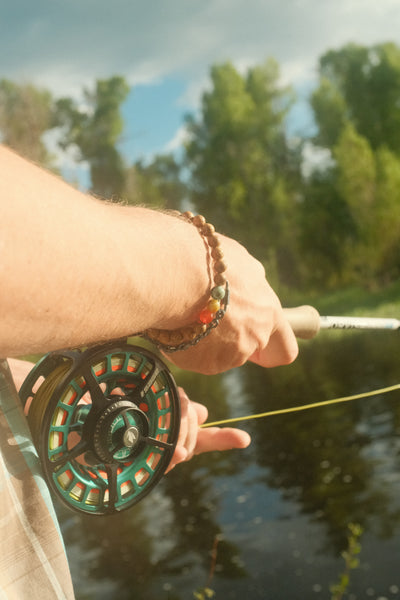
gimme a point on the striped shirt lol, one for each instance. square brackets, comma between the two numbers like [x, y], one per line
[33, 563]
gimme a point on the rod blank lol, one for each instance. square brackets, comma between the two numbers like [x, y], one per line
[306, 322]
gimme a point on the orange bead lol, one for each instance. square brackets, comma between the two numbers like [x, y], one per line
[206, 316]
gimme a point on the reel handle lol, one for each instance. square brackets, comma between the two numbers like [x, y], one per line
[304, 320]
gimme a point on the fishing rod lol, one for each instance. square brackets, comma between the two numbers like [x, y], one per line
[306, 322]
[105, 420]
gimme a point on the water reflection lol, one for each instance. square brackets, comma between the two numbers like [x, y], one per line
[334, 461]
[280, 509]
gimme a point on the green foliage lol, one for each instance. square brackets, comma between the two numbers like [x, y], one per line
[26, 113]
[357, 112]
[350, 557]
[387, 222]
[94, 128]
[327, 231]
[368, 183]
[356, 175]
[157, 184]
[362, 85]
[329, 111]
[243, 171]
[203, 593]
[337, 226]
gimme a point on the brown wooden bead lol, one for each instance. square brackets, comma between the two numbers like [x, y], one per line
[153, 333]
[199, 328]
[219, 279]
[189, 333]
[208, 229]
[176, 336]
[213, 241]
[220, 266]
[188, 215]
[198, 221]
[217, 253]
[164, 337]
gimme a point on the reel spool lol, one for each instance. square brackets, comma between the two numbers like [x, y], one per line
[105, 422]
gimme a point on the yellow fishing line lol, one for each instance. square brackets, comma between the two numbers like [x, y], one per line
[292, 409]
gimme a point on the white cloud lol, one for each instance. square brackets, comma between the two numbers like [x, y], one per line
[179, 139]
[67, 45]
[191, 98]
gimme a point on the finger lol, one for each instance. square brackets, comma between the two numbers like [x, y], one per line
[192, 430]
[282, 348]
[215, 438]
[180, 455]
[191, 412]
[201, 411]
[183, 428]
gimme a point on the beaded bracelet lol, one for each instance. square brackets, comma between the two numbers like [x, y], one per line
[213, 312]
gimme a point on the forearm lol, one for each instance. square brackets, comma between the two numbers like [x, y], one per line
[74, 270]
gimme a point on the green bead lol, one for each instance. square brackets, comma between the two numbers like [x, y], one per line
[218, 292]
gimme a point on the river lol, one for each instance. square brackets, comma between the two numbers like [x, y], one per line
[274, 516]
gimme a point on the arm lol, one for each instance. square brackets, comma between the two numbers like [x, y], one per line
[75, 270]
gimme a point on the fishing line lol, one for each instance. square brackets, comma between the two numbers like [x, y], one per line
[292, 409]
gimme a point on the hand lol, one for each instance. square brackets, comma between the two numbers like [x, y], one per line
[253, 328]
[194, 440]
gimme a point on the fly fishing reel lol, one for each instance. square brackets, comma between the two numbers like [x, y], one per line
[105, 422]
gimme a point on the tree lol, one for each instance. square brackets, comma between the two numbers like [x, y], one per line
[26, 113]
[94, 129]
[357, 111]
[356, 181]
[387, 216]
[157, 184]
[350, 218]
[327, 231]
[360, 85]
[243, 172]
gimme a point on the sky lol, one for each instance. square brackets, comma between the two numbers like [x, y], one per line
[165, 48]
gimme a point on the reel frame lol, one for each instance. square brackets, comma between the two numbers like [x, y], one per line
[105, 422]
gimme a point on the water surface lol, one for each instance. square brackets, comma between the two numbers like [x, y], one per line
[277, 513]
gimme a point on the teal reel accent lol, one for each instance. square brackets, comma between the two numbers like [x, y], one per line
[105, 422]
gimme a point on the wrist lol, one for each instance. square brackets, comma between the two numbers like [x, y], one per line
[181, 338]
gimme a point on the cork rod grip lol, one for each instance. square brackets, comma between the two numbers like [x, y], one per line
[304, 320]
